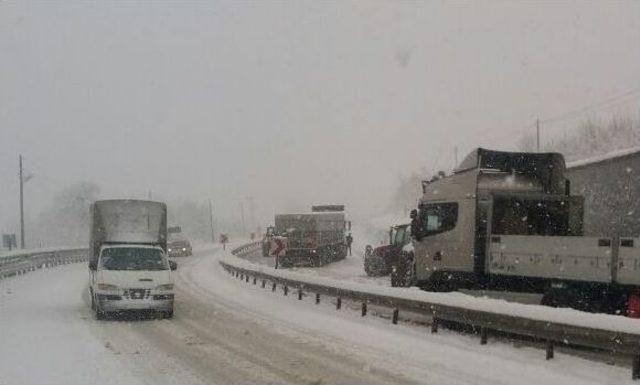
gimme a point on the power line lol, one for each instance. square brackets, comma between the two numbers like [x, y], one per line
[602, 105]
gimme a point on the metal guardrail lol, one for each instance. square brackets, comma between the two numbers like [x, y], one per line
[247, 248]
[550, 332]
[17, 264]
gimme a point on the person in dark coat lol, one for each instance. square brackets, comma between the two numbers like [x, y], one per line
[349, 240]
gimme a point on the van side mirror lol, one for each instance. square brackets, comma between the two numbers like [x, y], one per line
[413, 214]
[173, 265]
[93, 265]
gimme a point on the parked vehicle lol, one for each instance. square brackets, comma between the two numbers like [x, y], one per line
[314, 238]
[506, 220]
[178, 245]
[128, 264]
[382, 258]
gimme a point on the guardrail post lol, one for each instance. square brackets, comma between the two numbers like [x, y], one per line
[396, 312]
[317, 298]
[264, 283]
[364, 309]
[286, 290]
[434, 325]
[247, 278]
[635, 368]
[273, 287]
[483, 336]
[299, 294]
[338, 303]
[255, 280]
[549, 350]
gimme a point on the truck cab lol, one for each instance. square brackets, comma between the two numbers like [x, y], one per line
[132, 277]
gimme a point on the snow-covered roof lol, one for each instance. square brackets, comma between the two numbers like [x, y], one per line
[601, 158]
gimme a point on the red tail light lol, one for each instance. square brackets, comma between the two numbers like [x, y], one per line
[633, 306]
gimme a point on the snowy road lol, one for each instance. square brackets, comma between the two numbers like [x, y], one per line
[229, 332]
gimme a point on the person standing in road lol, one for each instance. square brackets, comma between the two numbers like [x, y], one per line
[349, 240]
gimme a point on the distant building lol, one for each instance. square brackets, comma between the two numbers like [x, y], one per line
[610, 185]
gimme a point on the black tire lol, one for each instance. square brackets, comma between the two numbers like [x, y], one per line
[168, 314]
[403, 274]
[410, 273]
[100, 314]
[374, 266]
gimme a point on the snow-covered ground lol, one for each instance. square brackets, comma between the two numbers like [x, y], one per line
[227, 331]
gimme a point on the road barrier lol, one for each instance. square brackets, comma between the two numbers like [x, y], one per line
[247, 248]
[552, 333]
[22, 263]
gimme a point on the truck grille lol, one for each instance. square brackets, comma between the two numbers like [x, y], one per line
[137, 293]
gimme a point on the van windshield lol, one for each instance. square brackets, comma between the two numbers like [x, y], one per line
[132, 258]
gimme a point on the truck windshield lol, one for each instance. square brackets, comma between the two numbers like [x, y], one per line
[132, 258]
[399, 237]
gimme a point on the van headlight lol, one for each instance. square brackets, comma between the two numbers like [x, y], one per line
[168, 286]
[169, 249]
[184, 249]
[107, 287]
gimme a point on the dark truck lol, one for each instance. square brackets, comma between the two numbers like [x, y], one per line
[178, 245]
[313, 239]
[380, 261]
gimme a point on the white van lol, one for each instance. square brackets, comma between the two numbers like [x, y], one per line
[132, 277]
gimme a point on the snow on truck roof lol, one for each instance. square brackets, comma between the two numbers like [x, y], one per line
[604, 157]
[315, 213]
[499, 160]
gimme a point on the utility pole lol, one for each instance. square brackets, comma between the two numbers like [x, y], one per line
[213, 236]
[538, 135]
[21, 202]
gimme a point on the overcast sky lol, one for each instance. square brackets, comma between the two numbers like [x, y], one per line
[291, 102]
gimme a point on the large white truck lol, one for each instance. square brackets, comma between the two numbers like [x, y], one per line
[128, 264]
[507, 220]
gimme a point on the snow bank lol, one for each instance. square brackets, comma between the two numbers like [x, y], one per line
[536, 312]
[19, 252]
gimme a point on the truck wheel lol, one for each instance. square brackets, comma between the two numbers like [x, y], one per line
[374, 266]
[168, 314]
[368, 269]
[403, 274]
[100, 314]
